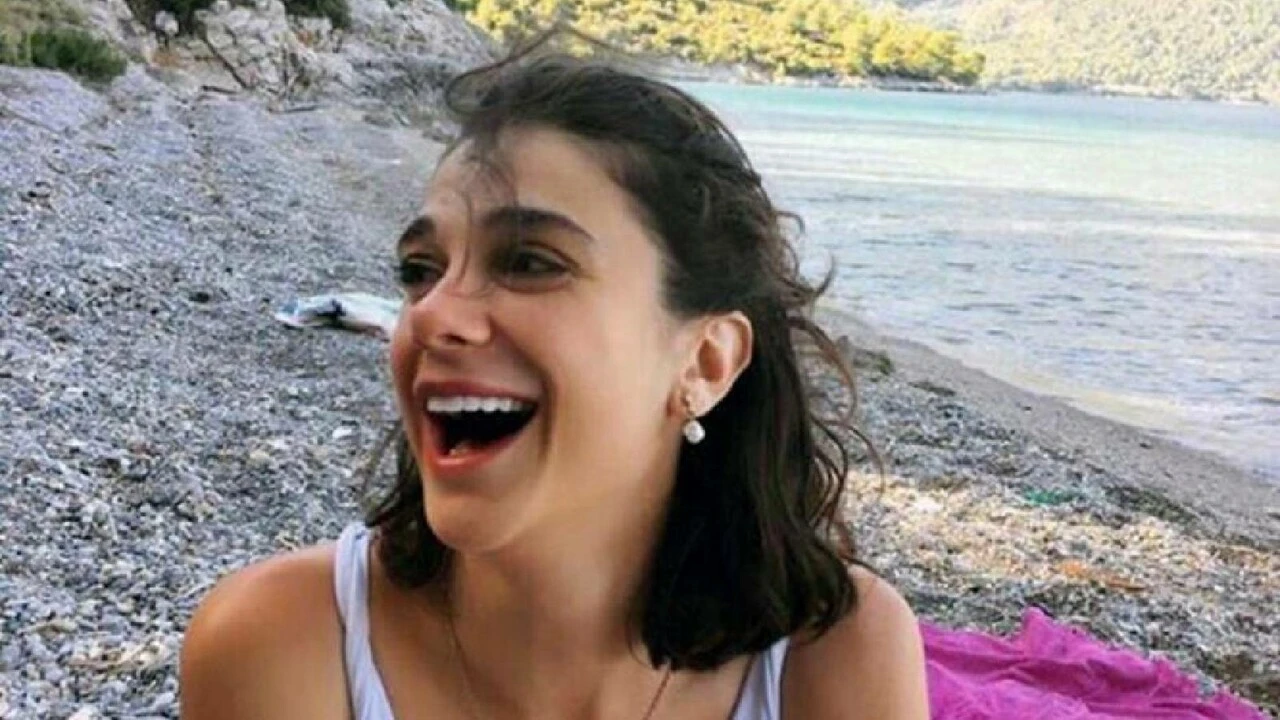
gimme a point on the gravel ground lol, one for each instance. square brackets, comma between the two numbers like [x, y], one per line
[158, 428]
[977, 518]
[975, 556]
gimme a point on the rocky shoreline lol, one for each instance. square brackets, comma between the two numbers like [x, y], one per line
[747, 75]
[158, 428]
[995, 499]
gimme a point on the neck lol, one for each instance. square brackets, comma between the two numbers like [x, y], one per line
[548, 627]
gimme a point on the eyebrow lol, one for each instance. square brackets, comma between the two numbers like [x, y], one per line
[531, 218]
[506, 217]
[421, 229]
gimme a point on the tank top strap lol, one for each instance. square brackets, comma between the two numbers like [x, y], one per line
[761, 697]
[351, 589]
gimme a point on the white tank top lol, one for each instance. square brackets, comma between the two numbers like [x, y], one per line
[760, 699]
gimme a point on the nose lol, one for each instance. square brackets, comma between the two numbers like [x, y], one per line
[448, 318]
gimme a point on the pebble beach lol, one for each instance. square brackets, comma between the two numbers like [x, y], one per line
[158, 428]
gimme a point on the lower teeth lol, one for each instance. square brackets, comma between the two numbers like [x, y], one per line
[461, 447]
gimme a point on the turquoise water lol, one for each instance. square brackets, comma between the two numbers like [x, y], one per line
[1122, 254]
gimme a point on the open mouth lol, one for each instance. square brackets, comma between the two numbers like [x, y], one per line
[466, 424]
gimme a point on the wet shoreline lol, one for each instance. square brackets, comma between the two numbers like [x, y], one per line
[995, 500]
[1233, 502]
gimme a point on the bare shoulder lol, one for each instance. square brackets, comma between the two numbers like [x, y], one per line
[266, 642]
[868, 665]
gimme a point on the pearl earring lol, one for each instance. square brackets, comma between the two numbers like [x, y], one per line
[693, 430]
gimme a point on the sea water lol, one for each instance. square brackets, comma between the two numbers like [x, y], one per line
[1121, 254]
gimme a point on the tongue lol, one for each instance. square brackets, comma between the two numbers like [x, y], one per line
[463, 447]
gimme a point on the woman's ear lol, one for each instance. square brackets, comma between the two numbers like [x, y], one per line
[721, 351]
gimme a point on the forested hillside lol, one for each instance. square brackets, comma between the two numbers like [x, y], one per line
[785, 37]
[1216, 48]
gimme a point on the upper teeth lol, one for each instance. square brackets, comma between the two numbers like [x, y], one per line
[469, 403]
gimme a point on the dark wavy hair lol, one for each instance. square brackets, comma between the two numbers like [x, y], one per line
[754, 547]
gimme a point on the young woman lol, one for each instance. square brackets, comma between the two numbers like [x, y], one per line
[613, 498]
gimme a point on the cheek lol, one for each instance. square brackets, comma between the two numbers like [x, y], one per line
[402, 358]
[617, 368]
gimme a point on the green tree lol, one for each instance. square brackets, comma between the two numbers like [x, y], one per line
[785, 37]
[1196, 47]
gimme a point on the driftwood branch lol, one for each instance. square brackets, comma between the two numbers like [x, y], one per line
[225, 63]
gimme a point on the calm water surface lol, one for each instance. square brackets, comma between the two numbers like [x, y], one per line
[1122, 254]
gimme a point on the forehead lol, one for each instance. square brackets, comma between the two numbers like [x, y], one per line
[530, 167]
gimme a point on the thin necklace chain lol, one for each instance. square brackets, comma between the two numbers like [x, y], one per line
[657, 696]
[461, 661]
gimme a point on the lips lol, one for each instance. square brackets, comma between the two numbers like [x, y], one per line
[470, 424]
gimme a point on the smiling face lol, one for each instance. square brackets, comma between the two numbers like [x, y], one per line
[536, 369]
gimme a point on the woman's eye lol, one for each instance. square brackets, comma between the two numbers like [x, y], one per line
[531, 263]
[416, 273]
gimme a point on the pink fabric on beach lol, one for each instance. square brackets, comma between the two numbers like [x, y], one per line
[1049, 671]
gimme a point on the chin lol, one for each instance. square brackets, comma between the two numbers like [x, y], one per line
[479, 509]
[469, 524]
